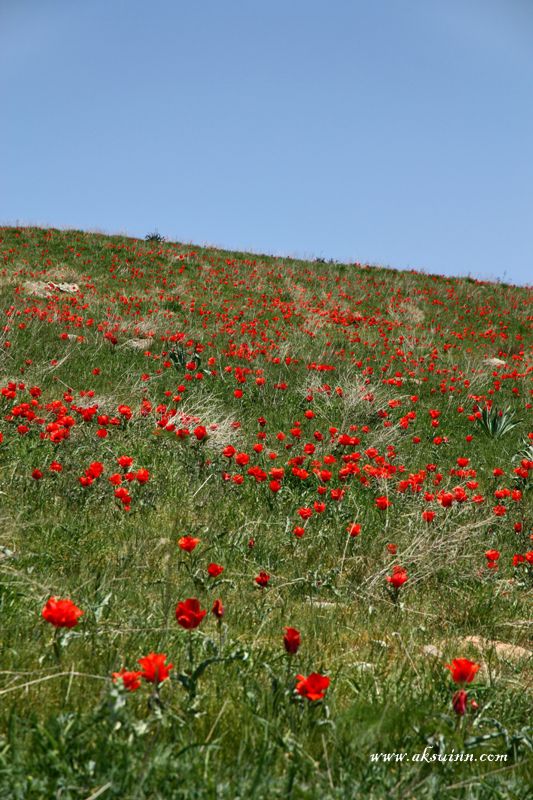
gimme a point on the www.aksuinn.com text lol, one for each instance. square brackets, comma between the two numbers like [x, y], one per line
[429, 756]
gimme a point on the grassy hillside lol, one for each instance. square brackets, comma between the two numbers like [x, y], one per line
[328, 425]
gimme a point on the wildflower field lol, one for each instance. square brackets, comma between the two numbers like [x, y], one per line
[262, 519]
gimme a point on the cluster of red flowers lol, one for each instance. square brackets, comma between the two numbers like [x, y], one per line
[63, 613]
[229, 334]
[340, 465]
[154, 670]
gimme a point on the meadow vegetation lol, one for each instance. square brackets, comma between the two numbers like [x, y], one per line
[339, 450]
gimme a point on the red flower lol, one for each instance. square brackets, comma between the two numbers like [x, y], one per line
[218, 609]
[188, 543]
[200, 432]
[313, 687]
[446, 499]
[262, 579]
[122, 494]
[292, 640]
[492, 555]
[214, 570]
[428, 516]
[354, 529]
[459, 702]
[61, 613]
[131, 680]
[189, 614]
[398, 577]
[463, 670]
[94, 470]
[142, 475]
[382, 503]
[154, 669]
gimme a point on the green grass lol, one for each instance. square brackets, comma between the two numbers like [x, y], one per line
[240, 730]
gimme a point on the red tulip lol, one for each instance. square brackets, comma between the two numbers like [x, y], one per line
[463, 670]
[189, 614]
[292, 640]
[142, 475]
[262, 579]
[313, 687]
[188, 543]
[131, 680]
[61, 613]
[154, 669]
[218, 609]
[382, 503]
[398, 577]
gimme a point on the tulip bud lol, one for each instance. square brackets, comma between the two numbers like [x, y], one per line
[459, 702]
[291, 640]
[218, 609]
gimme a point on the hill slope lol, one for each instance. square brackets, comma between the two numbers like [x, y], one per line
[313, 429]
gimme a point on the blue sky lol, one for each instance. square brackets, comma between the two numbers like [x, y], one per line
[397, 132]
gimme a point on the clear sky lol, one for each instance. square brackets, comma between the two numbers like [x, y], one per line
[397, 132]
